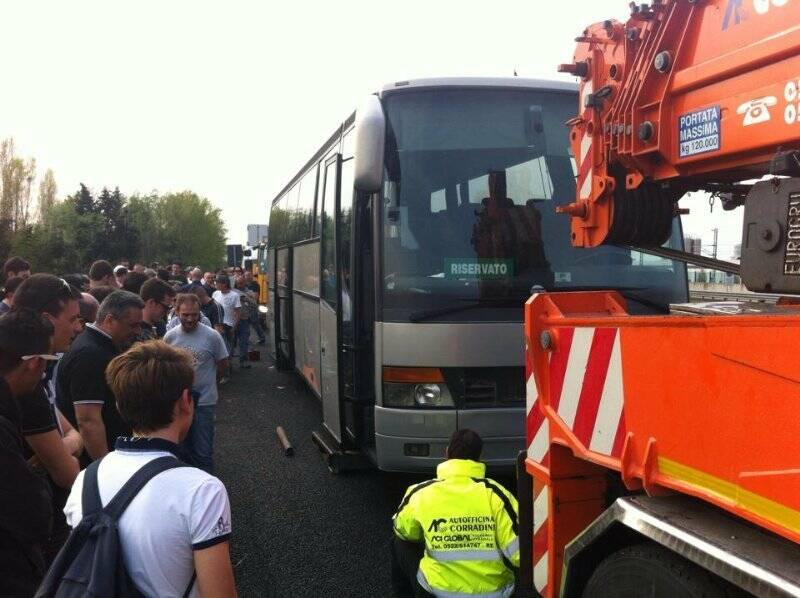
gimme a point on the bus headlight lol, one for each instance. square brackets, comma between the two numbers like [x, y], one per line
[428, 394]
[417, 395]
[415, 387]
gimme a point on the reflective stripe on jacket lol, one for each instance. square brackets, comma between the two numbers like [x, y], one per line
[469, 525]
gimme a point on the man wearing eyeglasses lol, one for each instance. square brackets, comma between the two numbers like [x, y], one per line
[158, 297]
[25, 504]
[83, 395]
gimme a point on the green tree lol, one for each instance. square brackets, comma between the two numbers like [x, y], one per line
[70, 234]
[191, 230]
[47, 194]
[84, 200]
[142, 223]
[16, 176]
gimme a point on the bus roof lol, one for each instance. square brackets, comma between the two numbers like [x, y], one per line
[498, 82]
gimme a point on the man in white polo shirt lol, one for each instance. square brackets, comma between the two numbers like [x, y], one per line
[231, 309]
[179, 524]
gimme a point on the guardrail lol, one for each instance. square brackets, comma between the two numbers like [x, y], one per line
[711, 295]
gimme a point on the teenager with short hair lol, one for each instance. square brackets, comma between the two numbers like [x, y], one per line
[16, 266]
[101, 274]
[179, 524]
[158, 297]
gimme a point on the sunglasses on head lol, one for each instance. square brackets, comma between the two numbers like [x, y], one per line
[45, 356]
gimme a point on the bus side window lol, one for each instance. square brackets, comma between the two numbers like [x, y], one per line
[305, 204]
[348, 145]
[317, 216]
[345, 235]
[290, 207]
[328, 246]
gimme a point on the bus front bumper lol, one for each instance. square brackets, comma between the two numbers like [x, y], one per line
[415, 439]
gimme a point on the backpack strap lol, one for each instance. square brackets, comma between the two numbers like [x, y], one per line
[191, 584]
[90, 496]
[128, 492]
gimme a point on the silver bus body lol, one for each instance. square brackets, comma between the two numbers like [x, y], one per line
[343, 327]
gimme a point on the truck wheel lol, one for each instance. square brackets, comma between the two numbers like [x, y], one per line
[653, 571]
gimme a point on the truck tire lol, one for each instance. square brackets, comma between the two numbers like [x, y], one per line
[653, 571]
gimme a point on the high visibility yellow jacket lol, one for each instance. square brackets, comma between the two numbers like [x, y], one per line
[469, 525]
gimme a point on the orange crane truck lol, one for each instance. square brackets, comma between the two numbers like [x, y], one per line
[663, 451]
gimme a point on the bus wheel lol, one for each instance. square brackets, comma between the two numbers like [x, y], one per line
[653, 571]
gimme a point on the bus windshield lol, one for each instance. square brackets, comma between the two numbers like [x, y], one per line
[472, 179]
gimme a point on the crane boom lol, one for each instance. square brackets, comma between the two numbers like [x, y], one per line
[690, 95]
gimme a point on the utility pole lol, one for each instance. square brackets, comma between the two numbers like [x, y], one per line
[716, 233]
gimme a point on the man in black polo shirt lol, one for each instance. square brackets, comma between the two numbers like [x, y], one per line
[25, 509]
[210, 308]
[83, 395]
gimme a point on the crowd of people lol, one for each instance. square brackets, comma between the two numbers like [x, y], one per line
[108, 390]
[100, 374]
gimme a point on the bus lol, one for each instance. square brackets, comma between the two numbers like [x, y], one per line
[401, 254]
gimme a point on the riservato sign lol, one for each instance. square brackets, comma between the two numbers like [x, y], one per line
[478, 268]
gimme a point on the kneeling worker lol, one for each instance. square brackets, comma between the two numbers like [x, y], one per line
[465, 523]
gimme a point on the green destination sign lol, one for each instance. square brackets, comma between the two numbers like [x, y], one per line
[482, 268]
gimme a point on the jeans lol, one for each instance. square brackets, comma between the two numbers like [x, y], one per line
[405, 563]
[228, 338]
[255, 322]
[199, 442]
[243, 340]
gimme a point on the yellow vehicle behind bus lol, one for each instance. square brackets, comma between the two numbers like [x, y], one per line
[259, 270]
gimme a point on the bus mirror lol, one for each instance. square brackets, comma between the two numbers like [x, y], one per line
[370, 137]
[247, 253]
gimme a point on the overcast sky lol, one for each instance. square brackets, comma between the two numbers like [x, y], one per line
[228, 99]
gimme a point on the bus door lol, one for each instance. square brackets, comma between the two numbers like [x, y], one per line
[336, 306]
[284, 358]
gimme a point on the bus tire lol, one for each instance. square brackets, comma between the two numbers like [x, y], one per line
[652, 570]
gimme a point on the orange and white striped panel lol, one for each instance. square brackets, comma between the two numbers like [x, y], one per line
[586, 385]
[540, 526]
[537, 429]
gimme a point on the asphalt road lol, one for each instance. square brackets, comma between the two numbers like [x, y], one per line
[298, 530]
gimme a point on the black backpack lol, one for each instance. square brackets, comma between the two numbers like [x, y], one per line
[90, 563]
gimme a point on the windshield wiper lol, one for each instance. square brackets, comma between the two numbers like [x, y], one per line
[427, 314]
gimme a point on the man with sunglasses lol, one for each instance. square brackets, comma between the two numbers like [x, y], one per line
[82, 392]
[25, 505]
[54, 444]
[158, 297]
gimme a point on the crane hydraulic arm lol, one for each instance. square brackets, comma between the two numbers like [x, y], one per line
[691, 95]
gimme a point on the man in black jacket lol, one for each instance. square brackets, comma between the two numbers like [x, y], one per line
[25, 506]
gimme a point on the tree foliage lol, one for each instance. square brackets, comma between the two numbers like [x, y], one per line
[153, 228]
[68, 235]
[47, 194]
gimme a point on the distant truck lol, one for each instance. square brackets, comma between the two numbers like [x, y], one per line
[235, 255]
[257, 234]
